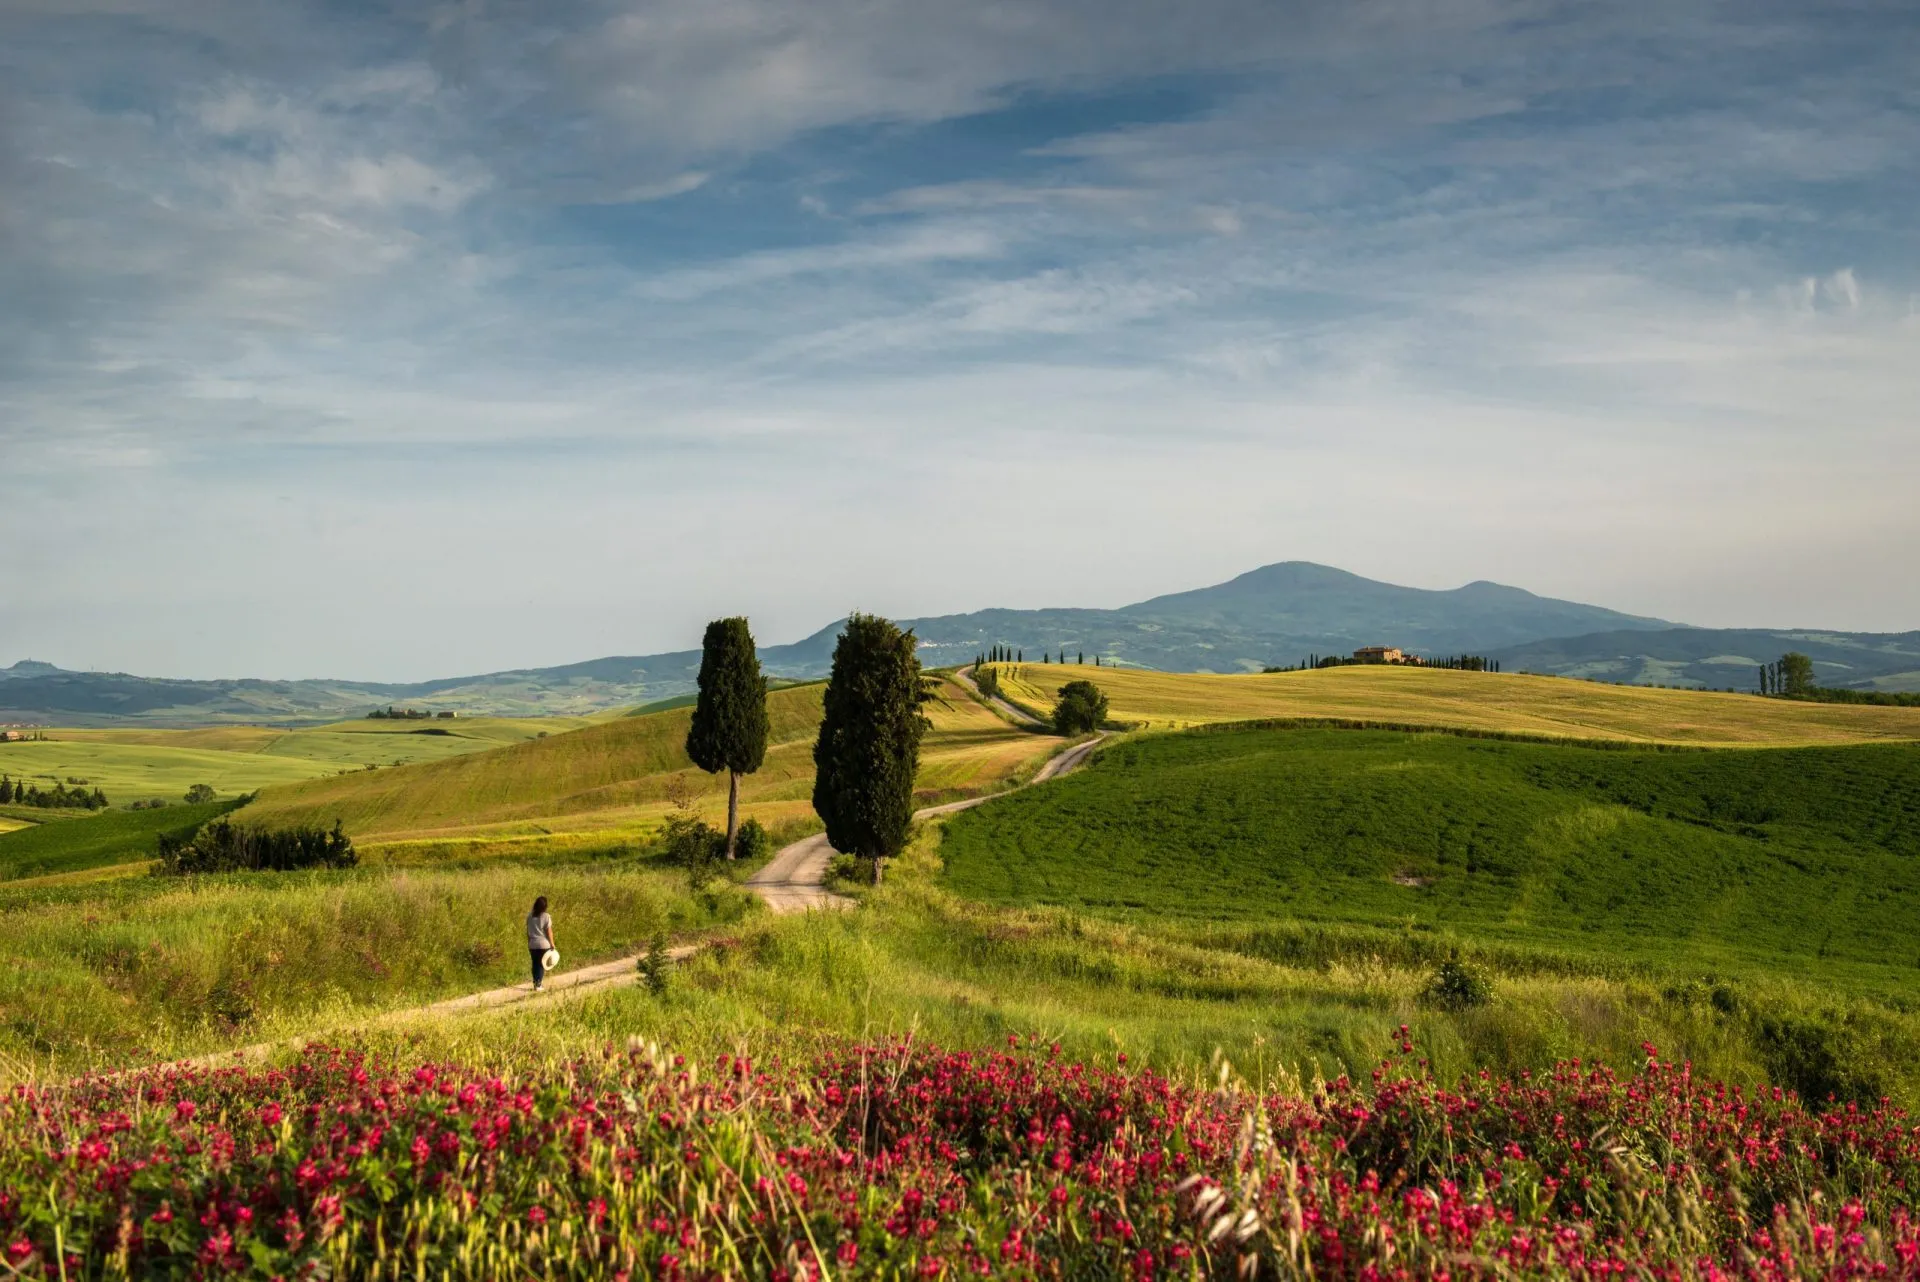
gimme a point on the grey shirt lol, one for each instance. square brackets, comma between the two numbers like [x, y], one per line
[539, 932]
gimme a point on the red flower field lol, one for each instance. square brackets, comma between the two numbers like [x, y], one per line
[907, 1161]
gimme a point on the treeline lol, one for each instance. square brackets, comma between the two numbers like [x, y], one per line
[222, 846]
[391, 713]
[1461, 663]
[59, 797]
[1002, 654]
[1883, 698]
[1455, 662]
[1791, 677]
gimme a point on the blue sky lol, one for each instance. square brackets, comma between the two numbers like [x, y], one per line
[397, 340]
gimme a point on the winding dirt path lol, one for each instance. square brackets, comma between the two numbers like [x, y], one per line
[791, 882]
[1020, 715]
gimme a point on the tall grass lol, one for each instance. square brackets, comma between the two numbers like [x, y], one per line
[108, 975]
[916, 960]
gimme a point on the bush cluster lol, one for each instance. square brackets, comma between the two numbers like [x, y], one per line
[226, 847]
[59, 797]
[1458, 986]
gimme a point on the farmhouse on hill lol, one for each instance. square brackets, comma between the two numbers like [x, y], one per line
[1378, 654]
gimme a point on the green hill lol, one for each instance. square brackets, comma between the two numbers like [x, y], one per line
[622, 762]
[110, 837]
[1808, 857]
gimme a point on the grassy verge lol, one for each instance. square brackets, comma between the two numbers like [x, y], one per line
[108, 974]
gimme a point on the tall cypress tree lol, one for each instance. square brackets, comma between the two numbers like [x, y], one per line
[729, 730]
[869, 745]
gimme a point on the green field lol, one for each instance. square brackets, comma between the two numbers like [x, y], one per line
[1807, 859]
[98, 840]
[137, 765]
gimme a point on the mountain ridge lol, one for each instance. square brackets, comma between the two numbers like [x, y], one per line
[1273, 614]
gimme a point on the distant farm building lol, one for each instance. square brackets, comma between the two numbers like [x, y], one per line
[1378, 654]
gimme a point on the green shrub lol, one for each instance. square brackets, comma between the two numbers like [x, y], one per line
[223, 846]
[1458, 986]
[695, 845]
[656, 968]
[754, 841]
[1820, 1059]
[199, 795]
[1081, 708]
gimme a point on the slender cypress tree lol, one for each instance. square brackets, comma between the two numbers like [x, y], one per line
[729, 730]
[869, 745]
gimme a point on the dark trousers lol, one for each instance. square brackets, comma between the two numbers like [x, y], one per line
[539, 968]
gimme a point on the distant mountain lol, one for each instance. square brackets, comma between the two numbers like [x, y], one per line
[1277, 614]
[1719, 658]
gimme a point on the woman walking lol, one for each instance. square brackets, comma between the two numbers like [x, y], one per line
[539, 940]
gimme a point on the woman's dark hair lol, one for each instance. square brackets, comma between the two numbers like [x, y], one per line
[539, 905]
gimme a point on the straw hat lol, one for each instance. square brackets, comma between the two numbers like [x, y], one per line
[550, 959]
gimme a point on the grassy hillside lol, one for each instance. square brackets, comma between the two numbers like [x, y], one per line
[1467, 700]
[1802, 858]
[619, 775]
[115, 972]
[101, 839]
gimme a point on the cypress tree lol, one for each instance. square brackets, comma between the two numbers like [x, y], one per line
[729, 730]
[1019, 656]
[6, 789]
[869, 745]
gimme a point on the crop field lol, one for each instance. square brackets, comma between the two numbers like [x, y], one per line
[619, 777]
[903, 1160]
[101, 839]
[1503, 702]
[1670, 856]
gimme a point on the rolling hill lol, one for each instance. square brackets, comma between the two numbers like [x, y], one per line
[1683, 857]
[1716, 658]
[620, 776]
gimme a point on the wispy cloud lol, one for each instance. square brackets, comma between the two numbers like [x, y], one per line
[1615, 303]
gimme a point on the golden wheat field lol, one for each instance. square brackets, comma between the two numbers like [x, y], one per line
[1503, 702]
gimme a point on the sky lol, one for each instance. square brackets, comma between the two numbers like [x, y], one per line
[398, 340]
